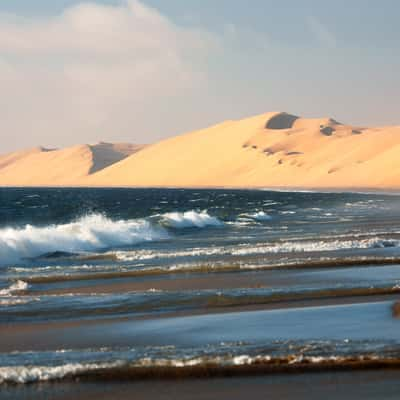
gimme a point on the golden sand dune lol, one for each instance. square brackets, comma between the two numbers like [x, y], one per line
[53, 167]
[270, 150]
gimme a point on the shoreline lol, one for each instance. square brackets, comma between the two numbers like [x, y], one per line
[390, 191]
[156, 271]
[206, 371]
[40, 335]
[354, 385]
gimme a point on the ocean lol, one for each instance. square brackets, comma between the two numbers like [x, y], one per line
[134, 284]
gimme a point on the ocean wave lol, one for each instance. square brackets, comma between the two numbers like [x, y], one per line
[27, 374]
[16, 301]
[207, 365]
[189, 219]
[94, 232]
[259, 216]
[316, 246]
[14, 287]
[67, 269]
[135, 255]
[261, 248]
[8, 295]
[203, 360]
[89, 233]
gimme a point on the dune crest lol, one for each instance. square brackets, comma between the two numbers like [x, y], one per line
[60, 167]
[275, 149]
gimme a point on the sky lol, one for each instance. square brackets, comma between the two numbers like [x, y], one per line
[142, 70]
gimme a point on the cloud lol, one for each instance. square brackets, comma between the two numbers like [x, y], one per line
[94, 72]
[321, 32]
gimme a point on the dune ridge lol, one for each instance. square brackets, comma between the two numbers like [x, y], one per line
[60, 167]
[275, 149]
[271, 150]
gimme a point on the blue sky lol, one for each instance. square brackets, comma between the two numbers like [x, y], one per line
[207, 61]
[372, 23]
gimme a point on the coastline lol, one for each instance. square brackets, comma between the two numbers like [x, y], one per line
[280, 189]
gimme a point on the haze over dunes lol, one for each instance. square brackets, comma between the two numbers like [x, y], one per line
[275, 149]
[57, 167]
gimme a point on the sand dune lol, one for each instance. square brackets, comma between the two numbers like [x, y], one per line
[54, 167]
[270, 150]
[275, 149]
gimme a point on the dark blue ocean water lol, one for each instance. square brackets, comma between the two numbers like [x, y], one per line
[198, 223]
[42, 206]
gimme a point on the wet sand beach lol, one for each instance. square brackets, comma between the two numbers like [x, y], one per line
[354, 385]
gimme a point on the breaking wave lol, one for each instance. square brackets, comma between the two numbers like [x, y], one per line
[235, 358]
[8, 295]
[261, 216]
[317, 246]
[89, 233]
[262, 248]
[27, 374]
[190, 219]
[15, 287]
[94, 232]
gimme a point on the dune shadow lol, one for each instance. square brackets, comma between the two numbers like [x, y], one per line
[281, 121]
[106, 154]
[327, 130]
[293, 153]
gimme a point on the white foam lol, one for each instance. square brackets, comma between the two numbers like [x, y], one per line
[261, 216]
[190, 219]
[261, 248]
[32, 373]
[13, 301]
[134, 255]
[89, 233]
[64, 268]
[26, 374]
[15, 287]
[313, 246]
[242, 360]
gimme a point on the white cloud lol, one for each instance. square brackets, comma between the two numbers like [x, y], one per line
[94, 72]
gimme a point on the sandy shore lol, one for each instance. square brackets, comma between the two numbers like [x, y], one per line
[123, 331]
[173, 274]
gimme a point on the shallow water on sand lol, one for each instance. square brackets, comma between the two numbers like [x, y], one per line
[354, 385]
[147, 282]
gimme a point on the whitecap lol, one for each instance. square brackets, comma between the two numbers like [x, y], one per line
[190, 219]
[89, 233]
[261, 248]
[26, 374]
[261, 216]
[14, 287]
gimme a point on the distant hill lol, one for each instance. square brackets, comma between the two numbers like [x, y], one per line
[57, 167]
[272, 150]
